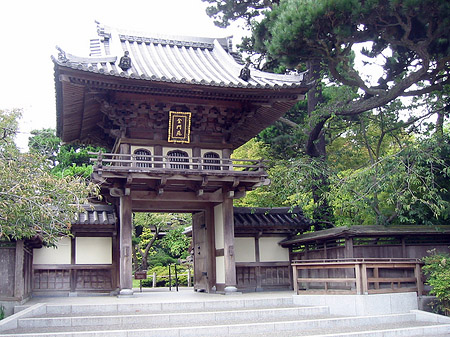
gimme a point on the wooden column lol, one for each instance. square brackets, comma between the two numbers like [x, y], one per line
[228, 233]
[19, 284]
[125, 269]
[211, 259]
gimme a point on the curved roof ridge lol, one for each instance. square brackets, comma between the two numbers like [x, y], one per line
[158, 37]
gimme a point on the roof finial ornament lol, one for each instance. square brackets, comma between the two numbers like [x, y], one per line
[125, 61]
[245, 72]
[62, 55]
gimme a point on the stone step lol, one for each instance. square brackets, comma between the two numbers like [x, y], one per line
[228, 317]
[166, 307]
[341, 326]
[177, 318]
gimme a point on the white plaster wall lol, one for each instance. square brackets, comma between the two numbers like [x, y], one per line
[93, 250]
[220, 269]
[50, 255]
[244, 249]
[271, 251]
[218, 226]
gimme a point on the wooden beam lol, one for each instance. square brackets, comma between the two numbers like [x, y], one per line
[215, 197]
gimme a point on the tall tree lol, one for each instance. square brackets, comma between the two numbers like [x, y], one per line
[407, 40]
[33, 202]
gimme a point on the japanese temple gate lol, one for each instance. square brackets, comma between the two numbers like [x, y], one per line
[171, 110]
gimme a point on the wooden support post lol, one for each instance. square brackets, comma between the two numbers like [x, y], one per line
[418, 275]
[189, 277]
[19, 285]
[228, 232]
[364, 279]
[358, 279]
[126, 227]
[376, 274]
[295, 276]
[154, 280]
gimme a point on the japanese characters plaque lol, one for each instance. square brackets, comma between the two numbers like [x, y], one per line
[179, 127]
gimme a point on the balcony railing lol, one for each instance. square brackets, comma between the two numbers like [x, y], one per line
[152, 163]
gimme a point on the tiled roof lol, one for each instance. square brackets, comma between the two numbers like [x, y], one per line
[368, 231]
[95, 215]
[270, 218]
[174, 59]
[277, 219]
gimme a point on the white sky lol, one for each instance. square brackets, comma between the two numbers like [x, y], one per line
[30, 30]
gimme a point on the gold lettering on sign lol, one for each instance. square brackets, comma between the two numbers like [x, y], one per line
[179, 127]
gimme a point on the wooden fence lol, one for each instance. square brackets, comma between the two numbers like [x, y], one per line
[357, 276]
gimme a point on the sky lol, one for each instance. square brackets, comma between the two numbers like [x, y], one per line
[31, 29]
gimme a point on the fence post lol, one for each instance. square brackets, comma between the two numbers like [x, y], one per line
[189, 277]
[358, 278]
[170, 279]
[295, 278]
[418, 274]
[176, 276]
[154, 280]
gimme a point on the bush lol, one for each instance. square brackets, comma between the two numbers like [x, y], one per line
[437, 269]
[164, 271]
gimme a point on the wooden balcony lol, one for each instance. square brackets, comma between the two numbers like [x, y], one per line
[357, 276]
[155, 175]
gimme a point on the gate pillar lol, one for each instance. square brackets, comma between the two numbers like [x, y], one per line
[126, 230]
[228, 234]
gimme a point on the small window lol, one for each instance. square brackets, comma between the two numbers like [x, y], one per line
[213, 158]
[143, 157]
[178, 156]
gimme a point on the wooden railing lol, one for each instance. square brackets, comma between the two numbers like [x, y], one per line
[357, 276]
[138, 162]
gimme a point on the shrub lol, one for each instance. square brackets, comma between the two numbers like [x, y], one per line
[164, 271]
[437, 269]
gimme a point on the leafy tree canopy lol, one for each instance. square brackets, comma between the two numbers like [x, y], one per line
[34, 202]
[67, 159]
[409, 39]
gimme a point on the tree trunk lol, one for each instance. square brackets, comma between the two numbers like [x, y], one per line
[316, 149]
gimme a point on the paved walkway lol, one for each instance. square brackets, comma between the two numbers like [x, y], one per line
[155, 295]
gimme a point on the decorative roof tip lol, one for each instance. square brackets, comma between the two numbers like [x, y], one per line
[245, 72]
[125, 61]
[62, 55]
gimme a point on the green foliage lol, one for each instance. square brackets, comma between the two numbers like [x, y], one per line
[162, 273]
[229, 10]
[32, 200]
[67, 160]
[2, 312]
[161, 258]
[437, 270]
[46, 143]
[176, 243]
[148, 227]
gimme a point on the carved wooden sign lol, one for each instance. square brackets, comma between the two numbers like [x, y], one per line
[179, 127]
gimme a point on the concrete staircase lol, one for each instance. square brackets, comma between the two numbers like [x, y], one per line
[231, 316]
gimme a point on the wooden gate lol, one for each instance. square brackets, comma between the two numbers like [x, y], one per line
[200, 251]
